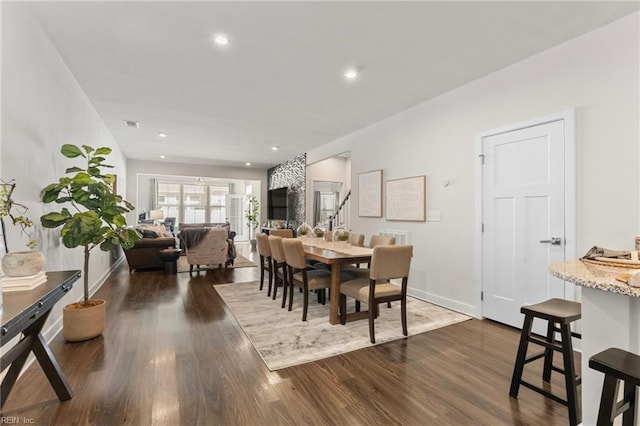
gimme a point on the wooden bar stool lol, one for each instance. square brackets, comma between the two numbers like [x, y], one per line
[617, 365]
[559, 314]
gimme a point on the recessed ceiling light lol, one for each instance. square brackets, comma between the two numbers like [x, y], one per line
[162, 134]
[351, 74]
[275, 148]
[163, 156]
[247, 164]
[221, 39]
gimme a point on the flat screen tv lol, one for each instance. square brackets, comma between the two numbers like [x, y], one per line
[277, 204]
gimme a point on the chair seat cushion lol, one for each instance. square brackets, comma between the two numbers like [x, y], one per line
[318, 278]
[359, 289]
[358, 272]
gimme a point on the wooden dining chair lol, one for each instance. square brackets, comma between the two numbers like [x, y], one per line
[381, 240]
[376, 240]
[356, 240]
[301, 276]
[278, 265]
[265, 260]
[284, 233]
[387, 263]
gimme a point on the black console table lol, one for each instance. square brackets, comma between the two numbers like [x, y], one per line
[25, 312]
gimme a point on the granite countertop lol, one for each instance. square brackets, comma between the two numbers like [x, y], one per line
[595, 276]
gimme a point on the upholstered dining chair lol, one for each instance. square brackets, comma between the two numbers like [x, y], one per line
[381, 240]
[264, 251]
[302, 276]
[284, 233]
[278, 266]
[356, 240]
[376, 240]
[387, 263]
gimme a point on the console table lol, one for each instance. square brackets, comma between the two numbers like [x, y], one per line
[25, 313]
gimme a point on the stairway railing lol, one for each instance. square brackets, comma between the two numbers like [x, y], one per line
[333, 217]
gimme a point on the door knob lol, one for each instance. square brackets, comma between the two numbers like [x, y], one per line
[554, 241]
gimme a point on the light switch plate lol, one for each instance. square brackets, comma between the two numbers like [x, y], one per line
[433, 215]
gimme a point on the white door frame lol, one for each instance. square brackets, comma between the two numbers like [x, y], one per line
[569, 190]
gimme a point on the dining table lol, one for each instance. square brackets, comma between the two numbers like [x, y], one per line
[335, 254]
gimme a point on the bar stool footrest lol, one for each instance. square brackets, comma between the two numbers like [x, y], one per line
[544, 392]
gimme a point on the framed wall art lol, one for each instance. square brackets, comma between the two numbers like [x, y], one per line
[406, 199]
[370, 194]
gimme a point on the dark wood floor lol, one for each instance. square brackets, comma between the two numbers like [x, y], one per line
[172, 354]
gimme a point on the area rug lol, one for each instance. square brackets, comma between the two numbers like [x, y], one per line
[239, 262]
[283, 340]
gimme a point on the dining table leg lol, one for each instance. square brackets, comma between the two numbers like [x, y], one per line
[334, 300]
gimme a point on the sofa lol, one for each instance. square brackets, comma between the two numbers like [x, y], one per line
[231, 234]
[145, 254]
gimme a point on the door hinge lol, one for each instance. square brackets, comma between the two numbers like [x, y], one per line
[481, 158]
[482, 295]
[482, 227]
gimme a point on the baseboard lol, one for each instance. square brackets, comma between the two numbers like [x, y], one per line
[454, 305]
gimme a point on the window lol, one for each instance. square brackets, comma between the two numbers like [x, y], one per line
[169, 200]
[215, 201]
[195, 203]
[218, 202]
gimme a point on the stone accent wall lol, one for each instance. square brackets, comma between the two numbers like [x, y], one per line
[292, 174]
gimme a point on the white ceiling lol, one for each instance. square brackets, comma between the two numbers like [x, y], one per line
[279, 81]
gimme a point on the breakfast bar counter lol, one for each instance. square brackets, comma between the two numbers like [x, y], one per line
[610, 318]
[596, 276]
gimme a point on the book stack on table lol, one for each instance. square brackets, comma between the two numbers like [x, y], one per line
[22, 283]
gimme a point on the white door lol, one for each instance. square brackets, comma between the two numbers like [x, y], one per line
[235, 215]
[523, 218]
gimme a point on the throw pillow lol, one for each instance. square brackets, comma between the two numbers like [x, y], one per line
[158, 230]
[147, 233]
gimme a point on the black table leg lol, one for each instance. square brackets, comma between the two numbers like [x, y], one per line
[51, 368]
[32, 340]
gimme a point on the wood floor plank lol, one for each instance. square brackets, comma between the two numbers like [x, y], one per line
[172, 354]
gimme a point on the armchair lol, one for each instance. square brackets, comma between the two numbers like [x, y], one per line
[207, 246]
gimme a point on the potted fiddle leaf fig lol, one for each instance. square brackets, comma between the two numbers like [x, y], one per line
[252, 214]
[96, 220]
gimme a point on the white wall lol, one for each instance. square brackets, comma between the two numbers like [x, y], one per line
[597, 74]
[43, 107]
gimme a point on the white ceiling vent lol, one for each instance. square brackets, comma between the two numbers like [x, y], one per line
[131, 123]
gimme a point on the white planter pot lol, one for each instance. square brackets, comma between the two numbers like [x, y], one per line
[22, 263]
